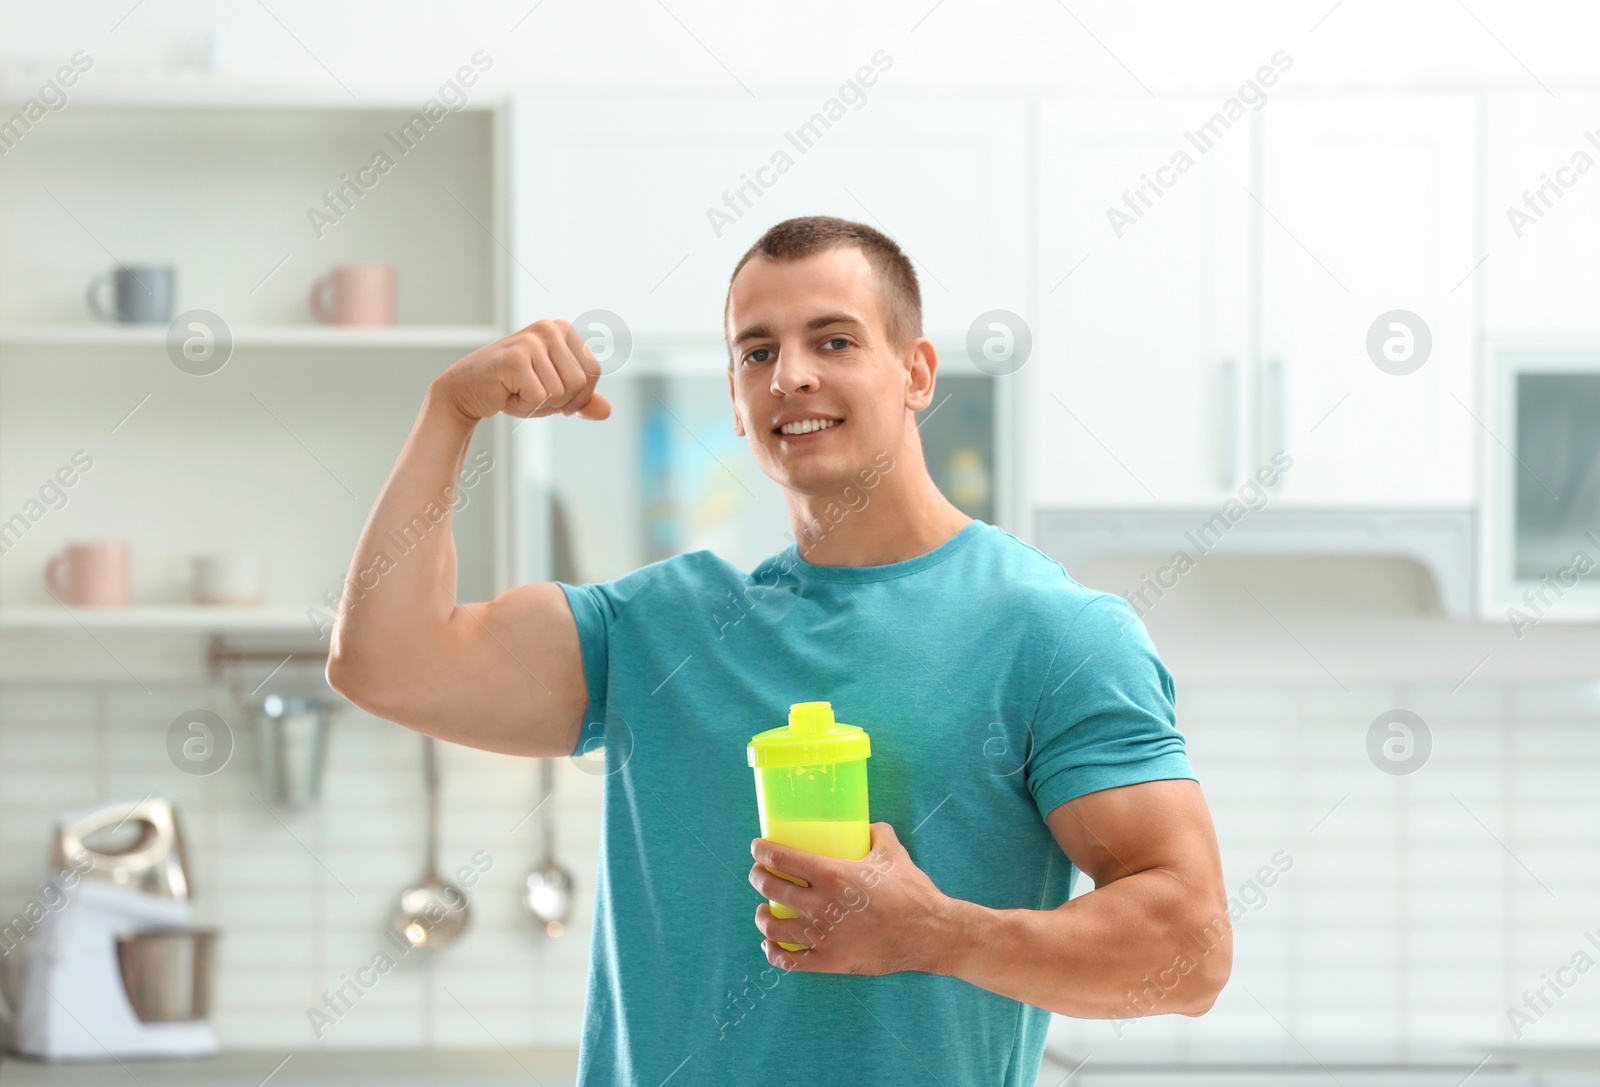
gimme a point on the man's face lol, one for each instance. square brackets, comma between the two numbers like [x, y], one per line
[809, 342]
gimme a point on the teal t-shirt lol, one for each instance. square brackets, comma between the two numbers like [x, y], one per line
[993, 686]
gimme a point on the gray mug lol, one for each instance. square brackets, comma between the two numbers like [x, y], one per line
[142, 294]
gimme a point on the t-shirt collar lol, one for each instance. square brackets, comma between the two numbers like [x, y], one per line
[807, 571]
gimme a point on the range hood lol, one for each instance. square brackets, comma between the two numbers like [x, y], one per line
[1443, 541]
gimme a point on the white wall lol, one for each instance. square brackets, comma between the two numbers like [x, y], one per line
[1096, 44]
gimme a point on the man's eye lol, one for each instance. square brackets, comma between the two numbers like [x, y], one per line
[751, 357]
[840, 340]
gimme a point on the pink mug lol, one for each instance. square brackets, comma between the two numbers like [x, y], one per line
[93, 575]
[355, 294]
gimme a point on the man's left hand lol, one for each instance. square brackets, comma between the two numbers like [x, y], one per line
[877, 915]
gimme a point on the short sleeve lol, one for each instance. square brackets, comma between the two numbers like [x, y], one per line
[594, 607]
[1106, 714]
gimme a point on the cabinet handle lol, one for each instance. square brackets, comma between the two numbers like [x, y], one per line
[1228, 423]
[1276, 408]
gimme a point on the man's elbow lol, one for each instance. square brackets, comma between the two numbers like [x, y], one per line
[1212, 969]
[356, 666]
[1209, 981]
[344, 666]
[352, 677]
[1197, 929]
[342, 676]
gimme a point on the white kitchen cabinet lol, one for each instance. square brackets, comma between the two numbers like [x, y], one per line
[642, 204]
[1367, 205]
[1541, 213]
[1138, 390]
[1195, 323]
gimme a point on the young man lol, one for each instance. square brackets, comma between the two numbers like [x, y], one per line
[1022, 726]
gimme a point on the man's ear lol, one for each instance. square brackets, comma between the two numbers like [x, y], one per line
[920, 375]
[738, 423]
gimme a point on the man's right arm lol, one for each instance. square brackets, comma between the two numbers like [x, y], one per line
[506, 675]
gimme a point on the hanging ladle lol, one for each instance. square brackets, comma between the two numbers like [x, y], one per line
[547, 892]
[432, 913]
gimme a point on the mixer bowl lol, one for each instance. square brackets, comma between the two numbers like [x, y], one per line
[167, 972]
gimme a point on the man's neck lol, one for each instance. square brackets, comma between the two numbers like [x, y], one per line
[896, 520]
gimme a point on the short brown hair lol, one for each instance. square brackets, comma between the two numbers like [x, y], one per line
[897, 279]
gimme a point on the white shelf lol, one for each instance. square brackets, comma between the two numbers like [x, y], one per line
[175, 617]
[156, 90]
[87, 335]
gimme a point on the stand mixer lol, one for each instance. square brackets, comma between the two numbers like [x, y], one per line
[113, 968]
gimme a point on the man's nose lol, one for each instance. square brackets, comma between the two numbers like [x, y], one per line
[792, 373]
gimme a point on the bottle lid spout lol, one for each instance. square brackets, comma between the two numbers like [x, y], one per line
[811, 717]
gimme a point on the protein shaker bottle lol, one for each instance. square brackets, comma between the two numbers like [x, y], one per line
[811, 788]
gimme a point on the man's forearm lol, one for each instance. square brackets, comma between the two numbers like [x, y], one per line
[1138, 946]
[388, 595]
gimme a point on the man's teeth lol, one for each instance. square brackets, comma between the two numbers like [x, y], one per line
[806, 426]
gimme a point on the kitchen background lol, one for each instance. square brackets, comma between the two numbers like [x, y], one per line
[1360, 237]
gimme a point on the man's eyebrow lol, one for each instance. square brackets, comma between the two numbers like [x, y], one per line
[755, 332]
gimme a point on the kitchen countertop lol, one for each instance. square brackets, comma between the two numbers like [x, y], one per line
[1351, 1064]
[1137, 1064]
[324, 1068]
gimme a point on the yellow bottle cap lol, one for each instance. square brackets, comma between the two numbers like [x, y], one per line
[812, 736]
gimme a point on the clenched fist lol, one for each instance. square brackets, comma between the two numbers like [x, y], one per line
[543, 369]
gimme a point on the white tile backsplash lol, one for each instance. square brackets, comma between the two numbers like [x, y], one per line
[1407, 917]
[305, 897]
